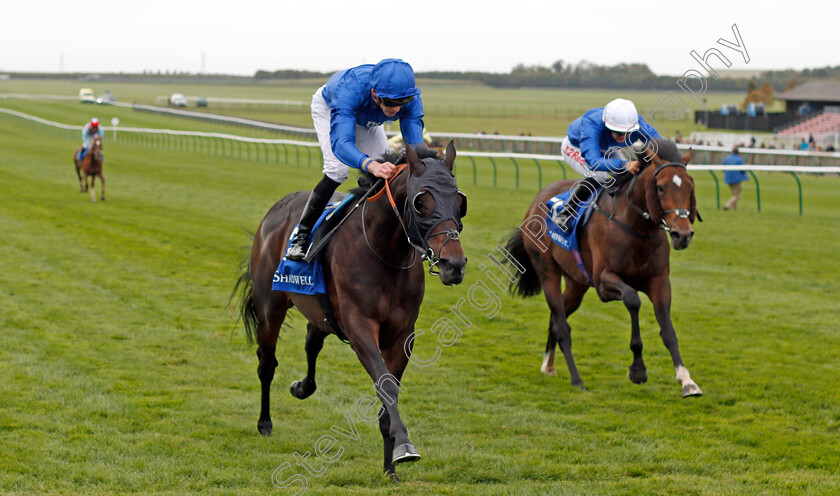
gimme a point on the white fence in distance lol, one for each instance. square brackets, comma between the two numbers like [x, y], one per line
[204, 142]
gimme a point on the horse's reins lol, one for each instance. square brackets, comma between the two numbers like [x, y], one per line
[373, 198]
[315, 249]
[427, 252]
[682, 213]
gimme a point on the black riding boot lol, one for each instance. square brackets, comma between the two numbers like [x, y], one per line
[318, 199]
[580, 194]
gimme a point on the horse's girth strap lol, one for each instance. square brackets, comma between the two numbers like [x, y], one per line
[387, 187]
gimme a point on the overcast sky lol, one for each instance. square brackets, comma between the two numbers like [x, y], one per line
[242, 36]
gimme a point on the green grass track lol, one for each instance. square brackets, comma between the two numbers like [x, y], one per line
[122, 370]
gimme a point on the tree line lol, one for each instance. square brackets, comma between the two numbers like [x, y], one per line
[588, 75]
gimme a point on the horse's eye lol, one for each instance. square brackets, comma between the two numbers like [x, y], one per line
[660, 188]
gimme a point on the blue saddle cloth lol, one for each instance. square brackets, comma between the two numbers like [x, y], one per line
[568, 240]
[306, 278]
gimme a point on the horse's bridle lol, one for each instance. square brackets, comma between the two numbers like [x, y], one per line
[426, 251]
[682, 213]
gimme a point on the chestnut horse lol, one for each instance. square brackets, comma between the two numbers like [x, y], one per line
[374, 283]
[90, 167]
[625, 250]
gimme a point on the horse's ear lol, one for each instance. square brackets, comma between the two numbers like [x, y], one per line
[417, 166]
[449, 158]
[686, 158]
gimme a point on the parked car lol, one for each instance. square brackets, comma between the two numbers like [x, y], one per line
[106, 98]
[202, 102]
[177, 100]
[86, 95]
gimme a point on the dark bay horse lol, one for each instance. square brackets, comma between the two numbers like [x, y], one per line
[625, 250]
[90, 167]
[375, 284]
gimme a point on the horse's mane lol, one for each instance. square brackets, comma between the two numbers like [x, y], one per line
[367, 180]
[667, 150]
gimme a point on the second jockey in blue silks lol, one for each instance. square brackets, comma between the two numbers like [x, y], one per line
[348, 113]
[592, 148]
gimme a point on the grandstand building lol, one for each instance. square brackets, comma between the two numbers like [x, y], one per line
[813, 111]
[811, 98]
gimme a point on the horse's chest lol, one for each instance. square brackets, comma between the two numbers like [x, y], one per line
[637, 265]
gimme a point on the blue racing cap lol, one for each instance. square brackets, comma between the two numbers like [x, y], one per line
[393, 79]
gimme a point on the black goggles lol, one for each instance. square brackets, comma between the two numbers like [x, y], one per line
[396, 102]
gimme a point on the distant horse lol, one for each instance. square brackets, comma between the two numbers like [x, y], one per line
[375, 283]
[625, 250]
[90, 167]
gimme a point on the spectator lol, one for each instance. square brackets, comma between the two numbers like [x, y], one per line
[803, 145]
[734, 178]
[830, 147]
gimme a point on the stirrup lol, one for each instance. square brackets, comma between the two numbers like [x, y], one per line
[565, 224]
[563, 219]
[558, 216]
[299, 247]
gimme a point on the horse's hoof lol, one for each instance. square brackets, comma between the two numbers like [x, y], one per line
[394, 478]
[691, 390]
[637, 376]
[549, 371]
[300, 391]
[264, 426]
[579, 385]
[405, 452]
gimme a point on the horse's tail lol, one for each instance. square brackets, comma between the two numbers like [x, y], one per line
[247, 307]
[527, 283]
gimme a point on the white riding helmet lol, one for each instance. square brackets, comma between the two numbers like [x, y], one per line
[620, 116]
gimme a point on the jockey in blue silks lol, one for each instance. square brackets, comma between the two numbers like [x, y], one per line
[348, 113]
[90, 130]
[592, 148]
